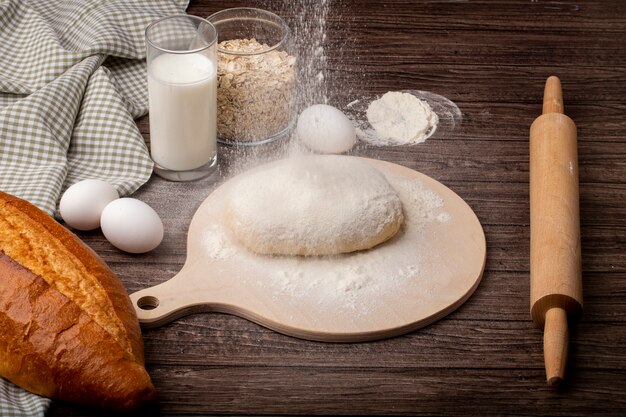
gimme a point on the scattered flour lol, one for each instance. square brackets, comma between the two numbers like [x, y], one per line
[349, 284]
[353, 284]
[216, 245]
[308, 25]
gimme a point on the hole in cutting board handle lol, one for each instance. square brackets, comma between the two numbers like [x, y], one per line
[148, 302]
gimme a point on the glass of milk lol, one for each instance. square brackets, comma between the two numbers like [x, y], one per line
[182, 92]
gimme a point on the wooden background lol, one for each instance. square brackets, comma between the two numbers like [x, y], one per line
[491, 58]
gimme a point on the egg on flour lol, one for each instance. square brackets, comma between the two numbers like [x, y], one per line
[325, 129]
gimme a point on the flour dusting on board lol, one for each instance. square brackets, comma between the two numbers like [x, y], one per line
[216, 245]
[349, 283]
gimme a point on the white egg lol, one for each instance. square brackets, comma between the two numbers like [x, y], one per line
[325, 129]
[131, 225]
[83, 202]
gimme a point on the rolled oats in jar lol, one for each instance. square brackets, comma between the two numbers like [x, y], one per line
[256, 76]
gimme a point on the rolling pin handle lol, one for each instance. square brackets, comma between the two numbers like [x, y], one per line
[553, 96]
[555, 345]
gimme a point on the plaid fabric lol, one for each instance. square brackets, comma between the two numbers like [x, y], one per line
[15, 402]
[72, 79]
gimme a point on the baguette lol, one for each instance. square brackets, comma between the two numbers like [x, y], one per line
[67, 327]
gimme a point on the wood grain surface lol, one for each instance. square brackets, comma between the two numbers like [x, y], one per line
[492, 59]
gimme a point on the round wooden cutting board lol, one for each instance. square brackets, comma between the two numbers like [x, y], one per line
[425, 272]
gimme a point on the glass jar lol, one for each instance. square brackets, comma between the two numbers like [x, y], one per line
[256, 76]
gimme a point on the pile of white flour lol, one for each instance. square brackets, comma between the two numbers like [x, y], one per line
[406, 117]
[401, 118]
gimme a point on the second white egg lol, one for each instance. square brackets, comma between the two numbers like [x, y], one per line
[131, 225]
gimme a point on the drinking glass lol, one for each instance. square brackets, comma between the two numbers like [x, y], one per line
[182, 93]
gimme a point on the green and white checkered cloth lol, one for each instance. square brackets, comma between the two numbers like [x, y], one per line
[72, 79]
[15, 402]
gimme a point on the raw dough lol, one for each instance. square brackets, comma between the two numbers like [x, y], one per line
[313, 205]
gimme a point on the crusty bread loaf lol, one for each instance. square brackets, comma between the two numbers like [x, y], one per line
[67, 327]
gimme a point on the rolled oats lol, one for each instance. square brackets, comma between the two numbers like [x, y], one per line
[256, 90]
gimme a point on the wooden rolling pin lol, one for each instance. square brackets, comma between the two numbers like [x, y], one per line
[555, 262]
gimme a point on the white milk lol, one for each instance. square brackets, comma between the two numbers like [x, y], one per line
[182, 90]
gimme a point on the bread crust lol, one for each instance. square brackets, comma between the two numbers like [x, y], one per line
[50, 346]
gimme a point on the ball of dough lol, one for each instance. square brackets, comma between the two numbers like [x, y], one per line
[313, 205]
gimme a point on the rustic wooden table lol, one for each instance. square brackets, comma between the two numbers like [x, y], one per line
[491, 58]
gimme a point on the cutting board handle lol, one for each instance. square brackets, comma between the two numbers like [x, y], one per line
[170, 300]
